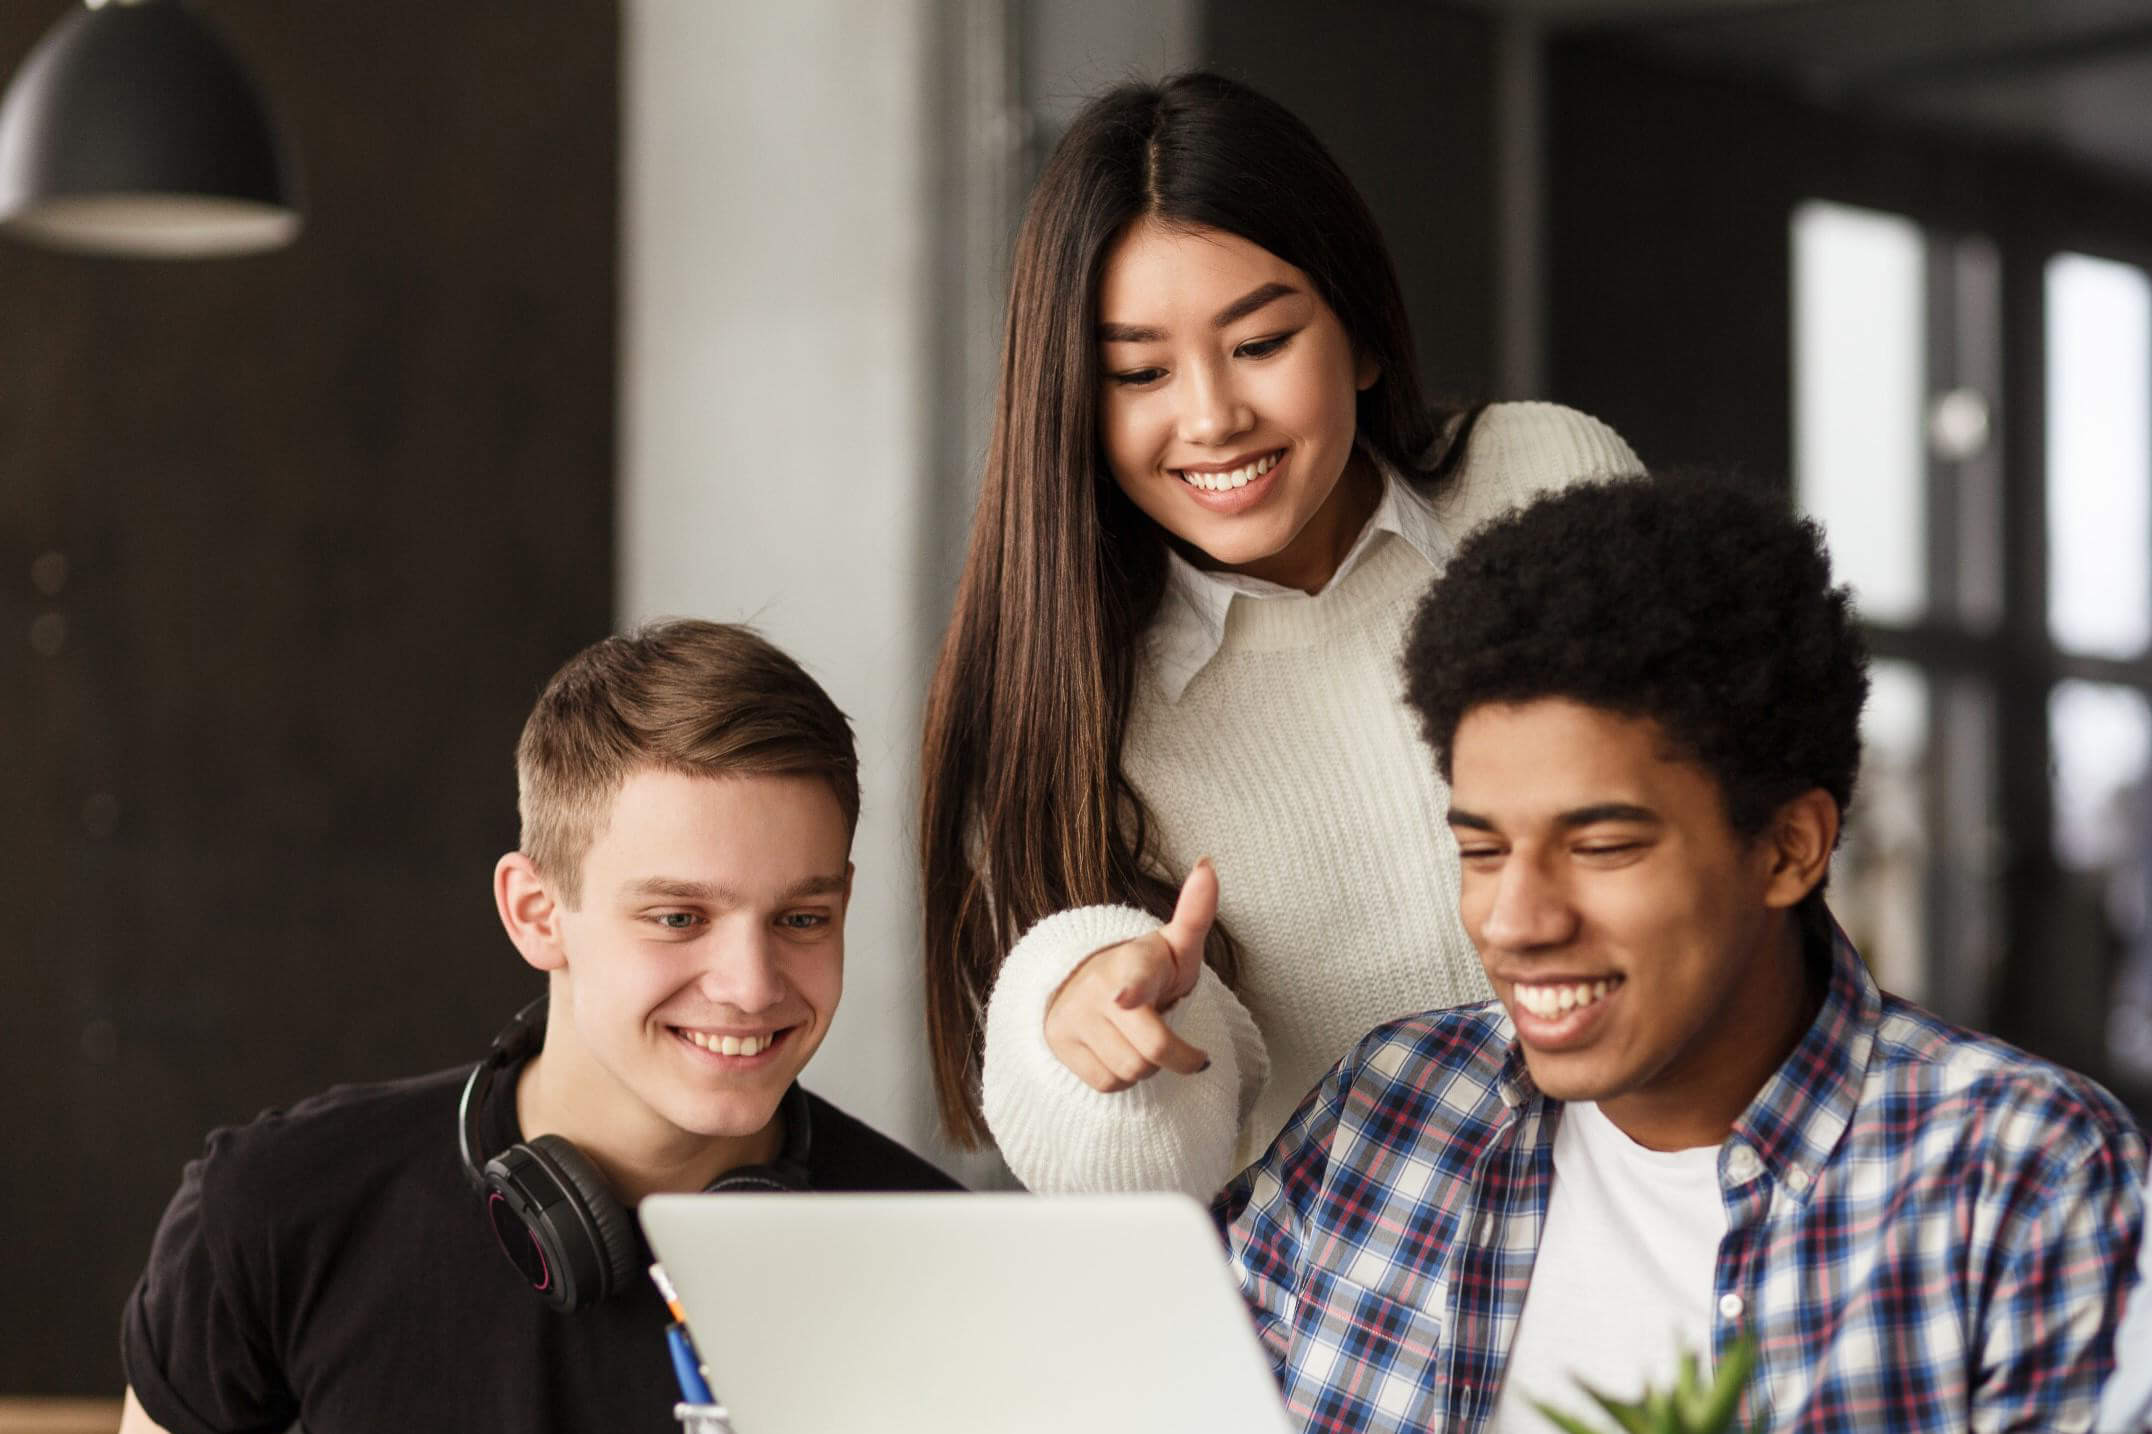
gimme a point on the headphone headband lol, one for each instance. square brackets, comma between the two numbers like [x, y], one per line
[521, 1038]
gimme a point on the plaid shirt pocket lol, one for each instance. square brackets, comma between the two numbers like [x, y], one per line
[1361, 1360]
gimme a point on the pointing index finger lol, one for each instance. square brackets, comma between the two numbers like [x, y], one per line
[1193, 913]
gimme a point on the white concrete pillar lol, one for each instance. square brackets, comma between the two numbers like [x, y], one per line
[775, 348]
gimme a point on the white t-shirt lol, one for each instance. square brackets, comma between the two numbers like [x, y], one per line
[1623, 1280]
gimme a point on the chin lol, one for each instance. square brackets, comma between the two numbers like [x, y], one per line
[731, 1119]
[1570, 1080]
[1234, 548]
[728, 1111]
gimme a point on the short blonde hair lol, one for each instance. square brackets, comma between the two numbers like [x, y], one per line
[701, 698]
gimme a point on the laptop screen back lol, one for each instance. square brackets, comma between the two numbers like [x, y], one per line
[964, 1314]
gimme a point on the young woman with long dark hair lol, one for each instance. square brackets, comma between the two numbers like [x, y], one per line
[1213, 493]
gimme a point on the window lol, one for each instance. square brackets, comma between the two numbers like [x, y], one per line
[1894, 371]
[1860, 387]
[1900, 411]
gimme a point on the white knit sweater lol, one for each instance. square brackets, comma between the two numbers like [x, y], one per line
[1290, 760]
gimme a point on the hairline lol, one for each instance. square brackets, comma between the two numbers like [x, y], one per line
[568, 883]
[1667, 742]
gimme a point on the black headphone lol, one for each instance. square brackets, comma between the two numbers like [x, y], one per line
[556, 1219]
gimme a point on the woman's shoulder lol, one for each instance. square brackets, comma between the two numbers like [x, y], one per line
[1517, 451]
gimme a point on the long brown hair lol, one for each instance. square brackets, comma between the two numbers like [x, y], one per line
[1026, 809]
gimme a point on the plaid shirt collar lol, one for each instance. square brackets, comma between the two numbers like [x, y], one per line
[1797, 1120]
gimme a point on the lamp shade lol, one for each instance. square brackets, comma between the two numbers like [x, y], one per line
[131, 130]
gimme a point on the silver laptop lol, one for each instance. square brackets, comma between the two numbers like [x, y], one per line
[964, 1314]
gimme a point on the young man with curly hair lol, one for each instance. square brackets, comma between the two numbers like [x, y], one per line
[1689, 1115]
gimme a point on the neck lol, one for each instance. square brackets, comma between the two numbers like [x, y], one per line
[1708, 1087]
[637, 1151]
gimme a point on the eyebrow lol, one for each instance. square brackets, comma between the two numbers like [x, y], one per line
[1575, 817]
[1232, 313]
[712, 894]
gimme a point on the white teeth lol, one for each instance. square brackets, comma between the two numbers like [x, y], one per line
[1239, 477]
[1549, 1001]
[731, 1045]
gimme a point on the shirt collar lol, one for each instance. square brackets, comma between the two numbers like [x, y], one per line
[1190, 626]
[1803, 1110]
[1799, 1116]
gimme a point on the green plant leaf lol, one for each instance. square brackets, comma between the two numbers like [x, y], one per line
[1631, 1416]
[1685, 1407]
[1688, 1388]
[1727, 1382]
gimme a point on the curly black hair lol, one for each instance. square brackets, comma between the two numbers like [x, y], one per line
[1684, 599]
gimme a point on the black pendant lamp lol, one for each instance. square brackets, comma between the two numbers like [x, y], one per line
[132, 130]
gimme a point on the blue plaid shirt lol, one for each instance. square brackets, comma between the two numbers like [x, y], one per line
[1926, 1229]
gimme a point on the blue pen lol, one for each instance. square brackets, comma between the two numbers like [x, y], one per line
[686, 1368]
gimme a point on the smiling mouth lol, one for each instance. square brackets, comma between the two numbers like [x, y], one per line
[1222, 480]
[749, 1045]
[1552, 1000]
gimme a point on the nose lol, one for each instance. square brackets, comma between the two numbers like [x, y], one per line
[1212, 410]
[1527, 909]
[745, 971]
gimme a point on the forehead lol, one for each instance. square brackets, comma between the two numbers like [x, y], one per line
[1156, 267]
[675, 823]
[1533, 761]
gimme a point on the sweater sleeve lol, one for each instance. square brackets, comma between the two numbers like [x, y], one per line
[1518, 451]
[1171, 1132]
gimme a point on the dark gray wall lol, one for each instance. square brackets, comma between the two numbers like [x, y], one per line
[1668, 250]
[1400, 94]
[329, 518]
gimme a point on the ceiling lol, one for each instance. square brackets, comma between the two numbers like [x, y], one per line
[2067, 75]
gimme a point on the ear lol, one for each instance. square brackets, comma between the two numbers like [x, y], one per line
[1799, 841]
[1365, 370]
[529, 912]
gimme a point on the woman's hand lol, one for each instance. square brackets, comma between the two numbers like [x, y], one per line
[1106, 1022]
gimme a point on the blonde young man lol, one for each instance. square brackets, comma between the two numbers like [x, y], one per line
[688, 797]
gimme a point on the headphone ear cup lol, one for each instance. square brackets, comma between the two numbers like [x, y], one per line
[559, 1223]
[609, 1234]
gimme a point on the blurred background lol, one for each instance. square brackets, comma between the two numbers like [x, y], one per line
[609, 311]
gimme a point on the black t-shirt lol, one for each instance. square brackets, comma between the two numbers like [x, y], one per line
[332, 1265]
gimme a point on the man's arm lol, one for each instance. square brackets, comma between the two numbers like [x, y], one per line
[1263, 1213]
[2064, 1250]
[134, 1421]
[197, 1338]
